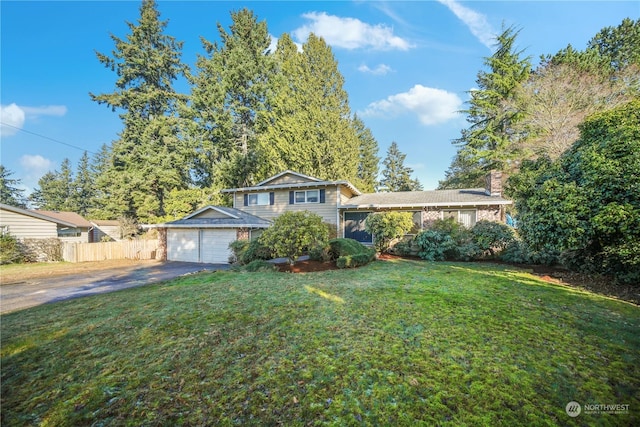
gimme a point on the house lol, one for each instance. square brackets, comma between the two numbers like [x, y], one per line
[339, 203]
[39, 224]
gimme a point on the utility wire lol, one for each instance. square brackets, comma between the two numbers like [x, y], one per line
[46, 137]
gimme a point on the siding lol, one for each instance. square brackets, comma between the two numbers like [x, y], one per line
[327, 210]
[288, 179]
[27, 227]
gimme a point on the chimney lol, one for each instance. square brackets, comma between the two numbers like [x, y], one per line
[493, 183]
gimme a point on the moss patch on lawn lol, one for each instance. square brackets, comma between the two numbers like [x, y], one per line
[393, 343]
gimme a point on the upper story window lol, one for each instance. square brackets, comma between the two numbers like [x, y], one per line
[258, 199]
[307, 196]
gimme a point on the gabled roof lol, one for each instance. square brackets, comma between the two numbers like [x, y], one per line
[230, 218]
[435, 198]
[71, 217]
[311, 182]
[287, 172]
[37, 214]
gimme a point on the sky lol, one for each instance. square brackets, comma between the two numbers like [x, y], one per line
[408, 65]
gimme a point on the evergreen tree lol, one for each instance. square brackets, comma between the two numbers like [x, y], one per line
[395, 175]
[308, 126]
[55, 189]
[229, 92]
[488, 142]
[619, 46]
[368, 163]
[10, 194]
[149, 159]
[83, 194]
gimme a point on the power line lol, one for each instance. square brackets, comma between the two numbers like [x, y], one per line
[46, 137]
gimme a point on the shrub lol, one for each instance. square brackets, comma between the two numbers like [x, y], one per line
[259, 265]
[492, 237]
[433, 244]
[293, 233]
[42, 250]
[11, 250]
[518, 252]
[238, 248]
[349, 253]
[388, 226]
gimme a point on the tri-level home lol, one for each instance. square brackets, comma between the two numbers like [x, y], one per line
[204, 235]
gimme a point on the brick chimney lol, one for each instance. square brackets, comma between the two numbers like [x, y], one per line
[493, 183]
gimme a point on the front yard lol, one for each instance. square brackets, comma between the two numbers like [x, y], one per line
[393, 343]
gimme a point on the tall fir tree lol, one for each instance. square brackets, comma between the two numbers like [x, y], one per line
[55, 190]
[308, 126]
[83, 194]
[368, 160]
[228, 93]
[149, 159]
[10, 193]
[488, 142]
[395, 175]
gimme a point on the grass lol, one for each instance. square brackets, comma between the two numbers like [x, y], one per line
[392, 343]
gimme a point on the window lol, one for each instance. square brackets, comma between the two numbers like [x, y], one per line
[258, 199]
[308, 196]
[464, 217]
[69, 232]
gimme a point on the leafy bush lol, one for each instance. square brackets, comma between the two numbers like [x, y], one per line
[259, 265]
[293, 233]
[42, 250]
[586, 202]
[349, 253]
[518, 252]
[11, 250]
[491, 236]
[388, 226]
[246, 251]
[434, 244]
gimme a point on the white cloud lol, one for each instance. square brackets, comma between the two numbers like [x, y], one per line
[477, 22]
[432, 106]
[380, 70]
[14, 116]
[34, 167]
[350, 33]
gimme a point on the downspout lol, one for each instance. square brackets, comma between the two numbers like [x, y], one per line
[339, 231]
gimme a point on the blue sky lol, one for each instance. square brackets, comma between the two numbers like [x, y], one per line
[408, 65]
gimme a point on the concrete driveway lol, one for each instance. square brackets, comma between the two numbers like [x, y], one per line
[40, 291]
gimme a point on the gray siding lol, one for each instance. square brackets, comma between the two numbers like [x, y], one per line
[27, 227]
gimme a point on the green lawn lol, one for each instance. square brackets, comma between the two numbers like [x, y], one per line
[393, 343]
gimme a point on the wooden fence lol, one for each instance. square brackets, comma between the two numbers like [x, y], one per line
[127, 249]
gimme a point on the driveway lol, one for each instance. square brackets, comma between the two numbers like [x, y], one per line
[40, 291]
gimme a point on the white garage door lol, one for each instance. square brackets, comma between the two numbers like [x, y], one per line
[182, 245]
[214, 245]
[191, 245]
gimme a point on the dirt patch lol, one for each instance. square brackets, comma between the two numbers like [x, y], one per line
[307, 266]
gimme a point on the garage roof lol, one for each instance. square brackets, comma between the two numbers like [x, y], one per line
[223, 217]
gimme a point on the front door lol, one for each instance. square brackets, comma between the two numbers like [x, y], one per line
[354, 227]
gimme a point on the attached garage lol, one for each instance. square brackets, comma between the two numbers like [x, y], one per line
[205, 235]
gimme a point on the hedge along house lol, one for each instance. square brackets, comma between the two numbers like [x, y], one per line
[204, 235]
